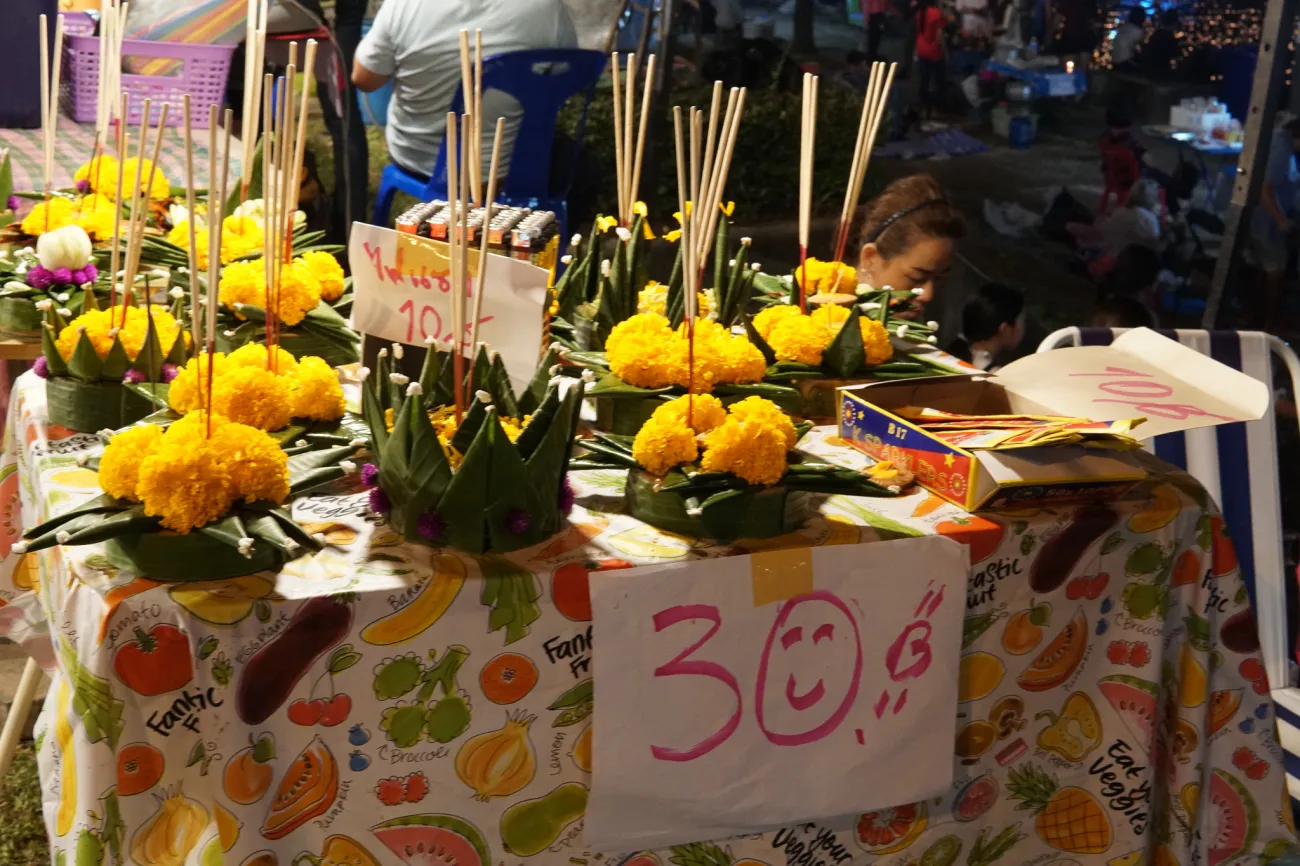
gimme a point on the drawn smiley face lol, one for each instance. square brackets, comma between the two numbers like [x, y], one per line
[810, 669]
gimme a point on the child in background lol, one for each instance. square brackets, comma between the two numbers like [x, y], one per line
[992, 322]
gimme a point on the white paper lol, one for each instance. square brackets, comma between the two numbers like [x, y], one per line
[403, 294]
[732, 719]
[1141, 374]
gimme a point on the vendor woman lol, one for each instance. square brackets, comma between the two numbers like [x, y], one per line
[910, 237]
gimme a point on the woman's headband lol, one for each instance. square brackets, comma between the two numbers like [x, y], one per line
[898, 215]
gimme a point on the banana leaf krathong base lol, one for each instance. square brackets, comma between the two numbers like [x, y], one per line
[210, 552]
[20, 317]
[89, 407]
[322, 332]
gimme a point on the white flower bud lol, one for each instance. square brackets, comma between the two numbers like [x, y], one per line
[383, 353]
[588, 376]
[606, 267]
[429, 340]
[901, 331]
[348, 466]
[176, 293]
[44, 304]
[229, 333]
[483, 396]
[363, 373]
[67, 247]
[744, 242]
[357, 443]
[398, 378]
[19, 547]
[932, 325]
[917, 291]
[566, 259]
[398, 351]
[63, 536]
[575, 240]
[301, 443]
[414, 390]
[756, 267]
[63, 297]
[67, 314]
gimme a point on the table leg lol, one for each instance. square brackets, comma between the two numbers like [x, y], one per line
[17, 718]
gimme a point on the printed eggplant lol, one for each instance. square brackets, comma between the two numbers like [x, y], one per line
[274, 670]
[1061, 553]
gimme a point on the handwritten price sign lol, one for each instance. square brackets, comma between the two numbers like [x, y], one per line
[730, 703]
[403, 294]
[1141, 374]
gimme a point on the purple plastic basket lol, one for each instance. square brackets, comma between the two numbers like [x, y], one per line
[78, 24]
[203, 73]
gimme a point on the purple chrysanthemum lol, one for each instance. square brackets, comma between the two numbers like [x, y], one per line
[379, 501]
[133, 377]
[370, 475]
[430, 525]
[518, 521]
[91, 272]
[79, 277]
[83, 186]
[169, 372]
[39, 277]
[61, 276]
[566, 497]
[14, 203]
[41, 368]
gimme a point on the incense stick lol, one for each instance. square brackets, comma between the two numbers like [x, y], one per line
[116, 254]
[713, 170]
[128, 281]
[268, 233]
[724, 171]
[629, 128]
[640, 136]
[478, 118]
[461, 239]
[806, 147]
[467, 97]
[864, 122]
[684, 251]
[300, 145]
[483, 240]
[196, 330]
[619, 179]
[214, 259]
[453, 198]
[880, 104]
[45, 114]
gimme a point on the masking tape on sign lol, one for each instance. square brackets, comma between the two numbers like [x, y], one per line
[778, 575]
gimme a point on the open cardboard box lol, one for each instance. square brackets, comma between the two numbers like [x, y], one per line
[1140, 375]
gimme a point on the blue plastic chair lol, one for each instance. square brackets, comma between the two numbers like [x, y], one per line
[542, 81]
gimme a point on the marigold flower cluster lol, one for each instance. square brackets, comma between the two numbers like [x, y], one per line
[750, 440]
[654, 299]
[240, 236]
[97, 325]
[245, 283]
[803, 339]
[247, 389]
[94, 213]
[327, 271]
[104, 181]
[189, 479]
[826, 277]
[644, 351]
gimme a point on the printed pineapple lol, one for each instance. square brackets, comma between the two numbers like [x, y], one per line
[704, 854]
[1068, 819]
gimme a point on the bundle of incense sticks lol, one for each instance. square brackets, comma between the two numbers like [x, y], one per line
[112, 28]
[138, 211]
[807, 147]
[873, 110]
[49, 103]
[216, 205]
[715, 168]
[250, 118]
[629, 137]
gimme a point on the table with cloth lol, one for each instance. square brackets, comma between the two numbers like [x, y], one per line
[386, 703]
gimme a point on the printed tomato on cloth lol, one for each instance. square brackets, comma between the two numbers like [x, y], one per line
[381, 704]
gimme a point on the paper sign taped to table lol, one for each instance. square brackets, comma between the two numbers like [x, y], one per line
[1141, 374]
[403, 293]
[748, 693]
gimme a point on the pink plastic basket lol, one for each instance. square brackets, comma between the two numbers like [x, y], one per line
[78, 24]
[203, 73]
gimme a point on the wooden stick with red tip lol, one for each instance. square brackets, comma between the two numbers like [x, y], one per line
[454, 170]
[807, 137]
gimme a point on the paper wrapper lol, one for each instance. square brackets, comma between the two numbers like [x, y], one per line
[88, 407]
[751, 514]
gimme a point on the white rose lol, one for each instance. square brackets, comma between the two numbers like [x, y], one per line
[68, 247]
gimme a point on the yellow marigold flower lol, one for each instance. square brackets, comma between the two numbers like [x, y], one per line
[240, 236]
[119, 467]
[654, 299]
[642, 324]
[830, 315]
[752, 450]
[317, 394]
[660, 446]
[799, 338]
[255, 355]
[256, 464]
[327, 271]
[632, 347]
[95, 214]
[97, 328]
[183, 482]
[706, 412]
[768, 318]
[875, 340]
[105, 179]
[299, 293]
[764, 411]
[742, 363]
[243, 283]
[187, 390]
[253, 396]
[827, 277]
[161, 188]
[60, 214]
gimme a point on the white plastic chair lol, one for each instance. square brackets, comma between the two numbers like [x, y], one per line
[1237, 465]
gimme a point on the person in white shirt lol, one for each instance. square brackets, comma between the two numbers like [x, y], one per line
[417, 43]
[1135, 223]
[975, 21]
[1128, 37]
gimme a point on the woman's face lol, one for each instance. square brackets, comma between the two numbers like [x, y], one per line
[920, 266]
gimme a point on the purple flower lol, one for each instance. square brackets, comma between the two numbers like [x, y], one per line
[39, 277]
[79, 278]
[169, 372]
[379, 501]
[91, 272]
[61, 276]
[370, 475]
[431, 526]
[14, 203]
[41, 368]
[566, 497]
[133, 377]
[518, 521]
[83, 186]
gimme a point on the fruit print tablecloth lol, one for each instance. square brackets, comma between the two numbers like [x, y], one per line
[384, 704]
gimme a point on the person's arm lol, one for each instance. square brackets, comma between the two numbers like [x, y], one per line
[376, 58]
[1276, 171]
[1268, 201]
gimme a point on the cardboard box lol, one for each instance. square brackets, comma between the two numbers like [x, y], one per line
[1141, 374]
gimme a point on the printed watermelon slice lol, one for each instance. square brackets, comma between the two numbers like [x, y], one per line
[975, 798]
[434, 840]
[1231, 815]
[1135, 701]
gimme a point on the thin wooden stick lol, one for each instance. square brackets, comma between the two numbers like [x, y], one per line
[128, 280]
[53, 107]
[806, 146]
[685, 246]
[467, 95]
[288, 154]
[629, 129]
[713, 174]
[868, 108]
[282, 146]
[481, 283]
[635, 185]
[882, 103]
[268, 227]
[724, 170]
[45, 114]
[115, 257]
[453, 197]
[196, 330]
[145, 199]
[478, 120]
[619, 180]
[214, 249]
[214, 254]
[300, 146]
[461, 240]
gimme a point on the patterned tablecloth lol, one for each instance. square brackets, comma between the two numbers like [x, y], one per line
[384, 703]
[75, 143]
